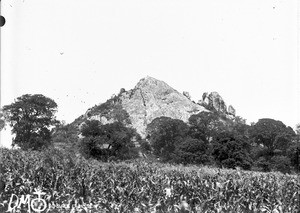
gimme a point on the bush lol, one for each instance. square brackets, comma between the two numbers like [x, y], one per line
[262, 164]
[165, 134]
[191, 151]
[232, 152]
[145, 146]
[281, 163]
[104, 141]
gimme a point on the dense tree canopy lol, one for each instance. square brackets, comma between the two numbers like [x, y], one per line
[294, 150]
[107, 141]
[274, 146]
[191, 151]
[2, 120]
[31, 117]
[65, 136]
[205, 125]
[273, 135]
[238, 127]
[165, 134]
[232, 151]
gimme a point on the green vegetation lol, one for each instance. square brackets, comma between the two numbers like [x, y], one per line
[165, 135]
[2, 120]
[107, 142]
[31, 117]
[208, 139]
[78, 174]
[111, 109]
[139, 186]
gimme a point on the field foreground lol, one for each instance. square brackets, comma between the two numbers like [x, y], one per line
[51, 181]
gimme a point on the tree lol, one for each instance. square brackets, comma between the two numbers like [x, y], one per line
[2, 120]
[31, 117]
[205, 126]
[65, 136]
[238, 127]
[165, 134]
[145, 146]
[273, 135]
[91, 128]
[273, 141]
[231, 151]
[109, 140]
[281, 163]
[191, 151]
[294, 150]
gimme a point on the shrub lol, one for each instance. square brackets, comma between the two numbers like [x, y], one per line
[232, 152]
[281, 163]
[104, 141]
[191, 151]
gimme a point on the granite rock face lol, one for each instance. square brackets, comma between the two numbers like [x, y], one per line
[187, 94]
[214, 101]
[150, 98]
[231, 110]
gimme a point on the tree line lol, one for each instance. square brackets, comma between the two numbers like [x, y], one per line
[208, 138]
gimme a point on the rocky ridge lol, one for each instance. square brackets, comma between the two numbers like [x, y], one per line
[149, 99]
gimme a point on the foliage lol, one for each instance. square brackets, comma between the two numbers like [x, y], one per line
[205, 126]
[262, 164]
[231, 151]
[191, 151]
[274, 142]
[238, 127]
[31, 117]
[142, 186]
[91, 128]
[112, 110]
[145, 146]
[165, 134]
[294, 150]
[272, 134]
[294, 154]
[2, 120]
[65, 134]
[281, 163]
[107, 141]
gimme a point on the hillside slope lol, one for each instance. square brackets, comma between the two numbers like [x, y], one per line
[149, 99]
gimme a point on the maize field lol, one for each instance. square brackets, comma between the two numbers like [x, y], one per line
[74, 184]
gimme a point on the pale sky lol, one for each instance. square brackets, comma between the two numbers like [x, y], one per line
[79, 53]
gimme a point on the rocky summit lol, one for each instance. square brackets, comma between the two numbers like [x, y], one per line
[149, 99]
[152, 98]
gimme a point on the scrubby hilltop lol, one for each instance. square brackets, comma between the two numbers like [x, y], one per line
[149, 99]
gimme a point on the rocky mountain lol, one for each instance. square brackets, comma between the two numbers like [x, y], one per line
[149, 99]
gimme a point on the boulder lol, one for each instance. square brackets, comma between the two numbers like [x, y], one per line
[187, 94]
[213, 101]
[231, 110]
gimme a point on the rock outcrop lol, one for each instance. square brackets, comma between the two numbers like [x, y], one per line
[150, 98]
[187, 94]
[213, 101]
[231, 110]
